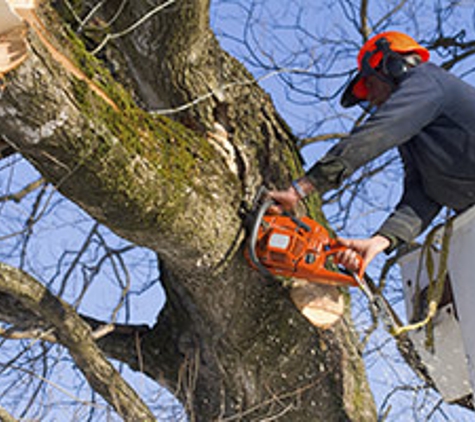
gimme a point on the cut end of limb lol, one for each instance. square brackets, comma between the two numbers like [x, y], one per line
[13, 47]
[322, 305]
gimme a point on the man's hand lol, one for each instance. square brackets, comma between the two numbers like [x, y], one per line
[366, 248]
[286, 199]
[289, 198]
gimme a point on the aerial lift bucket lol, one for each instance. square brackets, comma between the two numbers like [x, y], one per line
[450, 355]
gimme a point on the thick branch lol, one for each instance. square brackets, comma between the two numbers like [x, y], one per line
[81, 144]
[165, 187]
[5, 416]
[74, 334]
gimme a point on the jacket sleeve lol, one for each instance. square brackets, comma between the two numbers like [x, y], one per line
[416, 102]
[414, 211]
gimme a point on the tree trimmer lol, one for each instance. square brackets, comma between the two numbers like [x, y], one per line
[282, 245]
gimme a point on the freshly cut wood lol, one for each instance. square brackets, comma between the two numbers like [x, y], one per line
[13, 48]
[321, 304]
[22, 4]
[8, 18]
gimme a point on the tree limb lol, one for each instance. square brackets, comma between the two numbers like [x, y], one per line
[74, 334]
[5, 416]
[163, 185]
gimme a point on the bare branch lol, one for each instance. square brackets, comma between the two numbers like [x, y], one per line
[5, 416]
[384, 19]
[18, 196]
[364, 29]
[132, 27]
[75, 335]
[321, 138]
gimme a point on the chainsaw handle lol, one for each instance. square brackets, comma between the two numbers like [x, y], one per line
[297, 221]
[334, 248]
[254, 234]
[255, 230]
[268, 203]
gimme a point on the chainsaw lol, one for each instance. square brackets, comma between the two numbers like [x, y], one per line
[282, 245]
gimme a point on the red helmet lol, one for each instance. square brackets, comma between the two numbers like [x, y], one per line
[371, 56]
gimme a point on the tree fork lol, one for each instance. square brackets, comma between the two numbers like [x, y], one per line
[245, 349]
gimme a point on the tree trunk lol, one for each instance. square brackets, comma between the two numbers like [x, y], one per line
[228, 343]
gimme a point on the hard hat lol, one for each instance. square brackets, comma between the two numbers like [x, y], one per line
[372, 55]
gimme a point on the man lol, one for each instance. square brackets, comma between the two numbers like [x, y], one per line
[425, 112]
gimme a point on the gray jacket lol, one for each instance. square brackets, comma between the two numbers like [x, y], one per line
[430, 118]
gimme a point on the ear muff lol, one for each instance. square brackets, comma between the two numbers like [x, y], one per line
[389, 56]
[393, 65]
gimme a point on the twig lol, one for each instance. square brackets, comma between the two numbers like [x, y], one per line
[132, 27]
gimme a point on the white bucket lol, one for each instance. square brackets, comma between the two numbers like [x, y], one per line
[451, 362]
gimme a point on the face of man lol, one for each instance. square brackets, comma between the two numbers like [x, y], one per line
[378, 90]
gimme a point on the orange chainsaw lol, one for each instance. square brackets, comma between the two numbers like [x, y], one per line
[287, 246]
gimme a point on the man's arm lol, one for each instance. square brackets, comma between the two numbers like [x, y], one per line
[414, 105]
[414, 211]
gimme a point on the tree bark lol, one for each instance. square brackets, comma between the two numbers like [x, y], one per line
[229, 344]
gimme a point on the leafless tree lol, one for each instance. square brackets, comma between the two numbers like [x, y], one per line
[142, 167]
